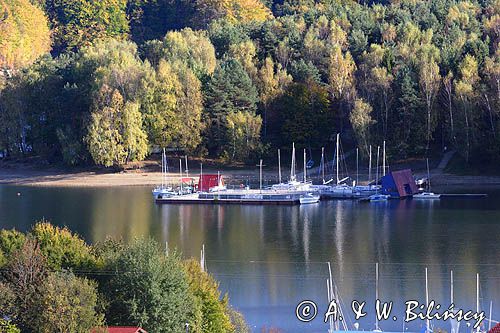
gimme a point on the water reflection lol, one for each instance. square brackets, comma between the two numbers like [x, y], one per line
[269, 258]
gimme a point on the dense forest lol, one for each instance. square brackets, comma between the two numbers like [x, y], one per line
[106, 82]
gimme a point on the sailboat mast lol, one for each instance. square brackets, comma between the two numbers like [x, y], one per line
[378, 157]
[260, 176]
[180, 171]
[305, 167]
[428, 176]
[370, 167]
[292, 168]
[376, 294]
[477, 297]
[279, 166]
[201, 178]
[451, 290]
[427, 298]
[323, 163]
[489, 321]
[383, 168]
[337, 155]
[163, 169]
[357, 165]
[166, 165]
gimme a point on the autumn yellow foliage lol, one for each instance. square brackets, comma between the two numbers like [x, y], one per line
[24, 34]
[235, 11]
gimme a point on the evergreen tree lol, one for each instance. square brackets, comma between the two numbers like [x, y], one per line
[229, 90]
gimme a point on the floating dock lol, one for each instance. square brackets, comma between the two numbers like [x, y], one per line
[464, 195]
[249, 197]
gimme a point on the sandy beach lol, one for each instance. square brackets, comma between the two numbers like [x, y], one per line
[147, 176]
[144, 177]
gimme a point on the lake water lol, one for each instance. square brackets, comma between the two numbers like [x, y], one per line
[269, 258]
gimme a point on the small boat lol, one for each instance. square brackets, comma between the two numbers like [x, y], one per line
[379, 197]
[165, 193]
[309, 198]
[163, 188]
[426, 195]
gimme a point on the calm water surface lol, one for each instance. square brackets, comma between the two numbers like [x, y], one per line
[269, 258]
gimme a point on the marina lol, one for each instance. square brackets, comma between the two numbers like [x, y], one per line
[250, 197]
[387, 184]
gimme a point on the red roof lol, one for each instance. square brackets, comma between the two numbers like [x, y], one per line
[122, 329]
[495, 329]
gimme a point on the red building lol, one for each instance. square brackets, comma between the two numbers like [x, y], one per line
[206, 182]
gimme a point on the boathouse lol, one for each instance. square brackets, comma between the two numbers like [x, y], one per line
[208, 181]
[399, 184]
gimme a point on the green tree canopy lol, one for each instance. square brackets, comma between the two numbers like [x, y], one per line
[62, 248]
[149, 289]
[76, 23]
[214, 310]
[69, 304]
[229, 90]
[115, 133]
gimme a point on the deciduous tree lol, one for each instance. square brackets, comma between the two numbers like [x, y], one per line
[149, 289]
[69, 304]
[24, 35]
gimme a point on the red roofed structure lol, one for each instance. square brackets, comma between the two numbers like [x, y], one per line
[119, 329]
[495, 329]
[208, 181]
[399, 184]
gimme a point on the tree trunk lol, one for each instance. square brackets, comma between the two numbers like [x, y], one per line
[488, 106]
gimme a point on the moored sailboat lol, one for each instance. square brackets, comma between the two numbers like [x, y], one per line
[427, 194]
[163, 190]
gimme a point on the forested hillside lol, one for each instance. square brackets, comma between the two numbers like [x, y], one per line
[107, 81]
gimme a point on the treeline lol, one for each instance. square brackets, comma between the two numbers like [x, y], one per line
[235, 79]
[52, 281]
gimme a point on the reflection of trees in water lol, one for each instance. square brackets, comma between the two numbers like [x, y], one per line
[121, 213]
[274, 255]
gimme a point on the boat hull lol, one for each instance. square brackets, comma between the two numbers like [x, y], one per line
[427, 196]
[310, 199]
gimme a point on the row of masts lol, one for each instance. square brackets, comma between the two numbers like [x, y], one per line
[333, 295]
[293, 176]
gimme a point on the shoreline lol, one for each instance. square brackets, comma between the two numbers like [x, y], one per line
[139, 177]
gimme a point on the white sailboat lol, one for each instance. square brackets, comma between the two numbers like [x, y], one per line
[379, 197]
[339, 189]
[293, 184]
[163, 190]
[428, 194]
[368, 190]
[309, 198]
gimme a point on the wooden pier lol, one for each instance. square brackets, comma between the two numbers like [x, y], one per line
[245, 197]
